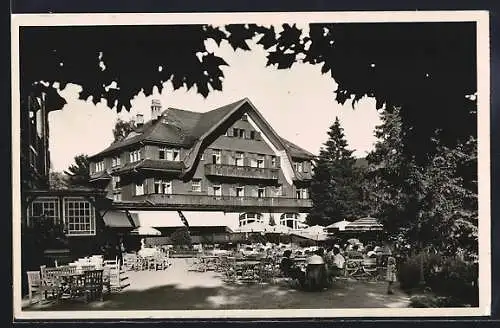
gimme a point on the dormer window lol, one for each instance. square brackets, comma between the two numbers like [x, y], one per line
[244, 117]
[169, 154]
[115, 161]
[298, 167]
[99, 166]
[135, 156]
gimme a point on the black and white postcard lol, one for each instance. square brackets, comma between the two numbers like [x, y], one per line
[251, 165]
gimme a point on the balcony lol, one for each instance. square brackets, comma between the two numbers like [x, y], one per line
[211, 202]
[242, 172]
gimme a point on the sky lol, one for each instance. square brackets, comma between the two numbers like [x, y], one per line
[299, 103]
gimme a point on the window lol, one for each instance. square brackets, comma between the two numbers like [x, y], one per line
[202, 158]
[216, 157]
[115, 182]
[244, 117]
[260, 161]
[79, 216]
[279, 191]
[135, 156]
[117, 196]
[169, 154]
[298, 166]
[99, 166]
[305, 193]
[115, 161]
[240, 191]
[44, 207]
[290, 220]
[273, 161]
[163, 187]
[302, 193]
[261, 192]
[139, 188]
[242, 133]
[217, 190]
[236, 132]
[238, 159]
[252, 135]
[247, 218]
[196, 185]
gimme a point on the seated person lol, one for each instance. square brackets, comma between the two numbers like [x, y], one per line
[316, 276]
[289, 269]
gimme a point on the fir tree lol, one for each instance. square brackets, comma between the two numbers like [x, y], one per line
[335, 191]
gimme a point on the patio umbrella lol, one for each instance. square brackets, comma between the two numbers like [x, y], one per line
[353, 241]
[339, 225]
[254, 227]
[364, 224]
[145, 231]
[315, 230]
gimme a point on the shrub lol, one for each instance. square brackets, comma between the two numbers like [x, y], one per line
[449, 277]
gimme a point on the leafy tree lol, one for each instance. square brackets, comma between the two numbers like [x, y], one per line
[122, 129]
[335, 190]
[58, 180]
[427, 69]
[181, 237]
[79, 173]
[433, 205]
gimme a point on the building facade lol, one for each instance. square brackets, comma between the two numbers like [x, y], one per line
[228, 161]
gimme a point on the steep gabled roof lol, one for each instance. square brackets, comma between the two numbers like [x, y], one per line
[296, 151]
[176, 127]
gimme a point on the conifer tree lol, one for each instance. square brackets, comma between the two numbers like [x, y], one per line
[335, 191]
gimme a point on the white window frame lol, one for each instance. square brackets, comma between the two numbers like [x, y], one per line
[239, 158]
[115, 161]
[273, 161]
[242, 191]
[78, 218]
[135, 156]
[163, 186]
[215, 188]
[46, 203]
[115, 182]
[248, 218]
[217, 153]
[99, 166]
[261, 161]
[293, 217]
[139, 188]
[196, 185]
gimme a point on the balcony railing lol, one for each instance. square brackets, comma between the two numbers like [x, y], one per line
[245, 172]
[211, 202]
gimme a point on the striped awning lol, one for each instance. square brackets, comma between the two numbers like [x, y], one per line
[364, 224]
[120, 219]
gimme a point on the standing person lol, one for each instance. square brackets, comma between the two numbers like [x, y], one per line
[391, 274]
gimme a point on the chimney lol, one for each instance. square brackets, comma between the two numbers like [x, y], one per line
[139, 120]
[155, 109]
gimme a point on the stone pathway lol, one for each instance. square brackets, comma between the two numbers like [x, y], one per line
[179, 289]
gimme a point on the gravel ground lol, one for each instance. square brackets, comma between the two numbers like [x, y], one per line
[176, 288]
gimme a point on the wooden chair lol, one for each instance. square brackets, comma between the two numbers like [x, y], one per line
[129, 261]
[370, 268]
[90, 267]
[35, 285]
[93, 285]
[51, 280]
[112, 277]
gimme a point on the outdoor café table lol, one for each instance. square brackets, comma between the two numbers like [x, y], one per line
[71, 283]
